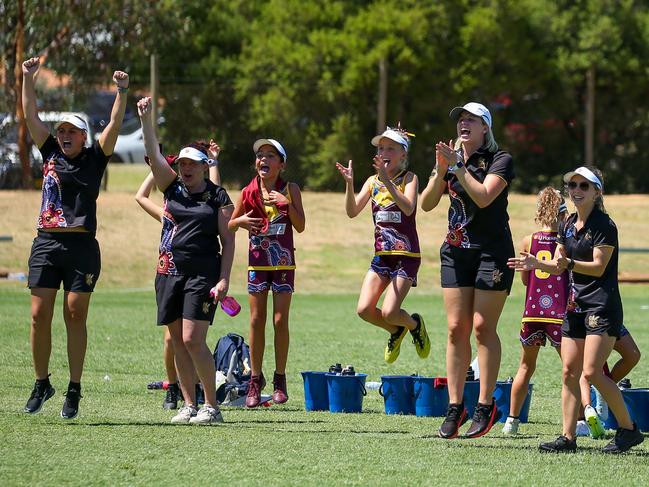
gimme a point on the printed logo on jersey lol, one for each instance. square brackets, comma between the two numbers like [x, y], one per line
[496, 276]
[89, 279]
[206, 307]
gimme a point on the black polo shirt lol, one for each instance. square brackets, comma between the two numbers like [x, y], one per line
[470, 226]
[593, 293]
[70, 186]
[190, 230]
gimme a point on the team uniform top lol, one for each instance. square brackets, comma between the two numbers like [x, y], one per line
[546, 295]
[70, 186]
[593, 293]
[395, 233]
[189, 244]
[273, 250]
[470, 226]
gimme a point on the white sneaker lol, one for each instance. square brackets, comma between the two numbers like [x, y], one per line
[207, 415]
[184, 415]
[582, 428]
[511, 426]
[595, 424]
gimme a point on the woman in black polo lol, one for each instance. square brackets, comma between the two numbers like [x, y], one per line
[65, 249]
[196, 253]
[588, 247]
[474, 273]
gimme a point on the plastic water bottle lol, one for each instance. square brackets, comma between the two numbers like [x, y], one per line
[336, 369]
[624, 383]
[476, 368]
[348, 370]
[601, 406]
[230, 306]
[372, 386]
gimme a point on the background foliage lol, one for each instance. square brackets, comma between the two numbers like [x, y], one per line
[307, 74]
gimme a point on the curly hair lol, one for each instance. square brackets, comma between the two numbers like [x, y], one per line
[547, 207]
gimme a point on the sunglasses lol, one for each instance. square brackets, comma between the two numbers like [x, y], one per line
[584, 185]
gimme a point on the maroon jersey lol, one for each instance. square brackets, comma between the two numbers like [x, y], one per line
[547, 294]
[395, 233]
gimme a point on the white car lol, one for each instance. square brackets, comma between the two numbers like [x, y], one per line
[130, 143]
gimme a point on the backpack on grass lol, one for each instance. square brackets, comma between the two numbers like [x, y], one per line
[232, 361]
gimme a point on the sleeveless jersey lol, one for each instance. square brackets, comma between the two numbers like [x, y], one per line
[273, 250]
[395, 233]
[546, 296]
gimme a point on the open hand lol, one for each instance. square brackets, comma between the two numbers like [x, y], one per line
[253, 225]
[277, 198]
[347, 172]
[380, 166]
[213, 150]
[445, 155]
[526, 262]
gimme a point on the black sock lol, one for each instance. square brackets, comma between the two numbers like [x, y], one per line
[45, 381]
[74, 385]
[513, 417]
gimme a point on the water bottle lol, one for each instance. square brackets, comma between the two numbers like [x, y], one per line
[601, 406]
[230, 306]
[470, 374]
[336, 369]
[372, 386]
[158, 384]
[348, 370]
[509, 379]
[476, 368]
[624, 383]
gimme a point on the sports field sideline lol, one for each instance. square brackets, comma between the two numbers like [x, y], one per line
[124, 437]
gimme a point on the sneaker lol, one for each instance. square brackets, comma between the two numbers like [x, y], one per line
[511, 426]
[280, 394]
[582, 428]
[171, 399]
[456, 416]
[207, 415]
[420, 336]
[186, 413]
[595, 424]
[41, 392]
[484, 417]
[71, 404]
[393, 347]
[560, 445]
[624, 440]
[255, 386]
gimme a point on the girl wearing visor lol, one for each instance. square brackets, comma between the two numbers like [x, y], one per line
[196, 252]
[65, 249]
[588, 248]
[393, 270]
[269, 208]
[474, 273]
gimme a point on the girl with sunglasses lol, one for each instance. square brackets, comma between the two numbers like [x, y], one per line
[588, 248]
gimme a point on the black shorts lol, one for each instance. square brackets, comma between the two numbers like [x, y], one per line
[71, 257]
[184, 297]
[580, 324]
[484, 269]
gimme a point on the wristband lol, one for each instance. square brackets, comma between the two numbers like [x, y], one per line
[459, 164]
[122, 89]
[212, 162]
[571, 264]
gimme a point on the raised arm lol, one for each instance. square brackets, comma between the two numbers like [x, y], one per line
[37, 129]
[213, 163]
[142, 198]
[108, 137]
[162, 173]
[353, 203]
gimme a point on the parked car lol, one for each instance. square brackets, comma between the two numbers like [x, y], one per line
[130, 143]
[10, 169]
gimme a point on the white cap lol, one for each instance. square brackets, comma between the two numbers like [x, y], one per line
[75, 120]
[193, 154]
[585, 172]
[477, 109]
[259, 142]
[392, 135]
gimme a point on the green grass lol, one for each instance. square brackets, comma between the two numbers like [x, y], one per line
[123, 437]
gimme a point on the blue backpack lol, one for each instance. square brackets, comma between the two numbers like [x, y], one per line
[232, 359]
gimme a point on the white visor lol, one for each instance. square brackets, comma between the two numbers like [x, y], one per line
[193, 154]
[586, 173]
[392, 135]
[261, 142]
[74, 120]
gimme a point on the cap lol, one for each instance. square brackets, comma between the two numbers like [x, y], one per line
[585, 172]
[260, 142]
[477, 109]
[193, 154]
[392, 135]
[72, 119]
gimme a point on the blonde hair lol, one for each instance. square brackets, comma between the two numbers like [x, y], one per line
[547, 207]
[599, 198]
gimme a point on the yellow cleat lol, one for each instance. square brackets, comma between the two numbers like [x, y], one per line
[420, 336]
[394, 344]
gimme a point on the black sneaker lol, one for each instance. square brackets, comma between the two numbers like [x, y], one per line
[171, 399]
[71, 404]
[560, 445]
[484, 417]
[41, 392]
[624, 440]
[456, 416]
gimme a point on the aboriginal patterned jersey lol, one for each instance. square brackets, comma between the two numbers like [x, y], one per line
[273, 250]
[189, 243]
[395, 233]
[470, 226]
[70, 186]
[547, 294]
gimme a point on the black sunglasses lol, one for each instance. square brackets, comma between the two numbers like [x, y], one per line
[584, 185]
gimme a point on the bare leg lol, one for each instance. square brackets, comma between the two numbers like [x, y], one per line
[184, 363]
[391, 310]
[572, 357]
[522, 379]
[459, 313]
[258, 310]
[41, 329]
[168, 354]
[371, 291]
[195, 340]
[630, 356]
[281, 306]
[487, 308]
[75, 314]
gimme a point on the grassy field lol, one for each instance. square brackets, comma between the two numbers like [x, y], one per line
[123, 437]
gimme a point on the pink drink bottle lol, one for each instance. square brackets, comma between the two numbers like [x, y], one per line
[230, 306]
